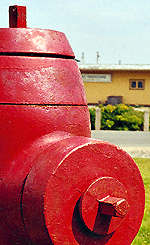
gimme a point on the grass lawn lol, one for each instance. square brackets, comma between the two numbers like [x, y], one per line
[143, 236]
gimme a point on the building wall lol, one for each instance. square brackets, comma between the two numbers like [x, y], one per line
[99, 91]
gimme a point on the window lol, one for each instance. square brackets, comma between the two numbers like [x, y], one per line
[136, 84]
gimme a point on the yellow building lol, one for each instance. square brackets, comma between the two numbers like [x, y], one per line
[112, 84]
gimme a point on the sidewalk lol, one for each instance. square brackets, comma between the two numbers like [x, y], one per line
[139, 152]
[135, 143]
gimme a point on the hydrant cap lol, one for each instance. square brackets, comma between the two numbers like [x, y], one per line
[19, 39]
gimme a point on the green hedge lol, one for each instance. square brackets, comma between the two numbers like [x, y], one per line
[118, 117]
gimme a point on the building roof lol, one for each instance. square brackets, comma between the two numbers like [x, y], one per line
[123, 67]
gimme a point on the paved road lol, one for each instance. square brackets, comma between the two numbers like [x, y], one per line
[137, 144]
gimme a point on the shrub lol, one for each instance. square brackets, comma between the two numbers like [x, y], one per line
[118, 117]
[92, 117]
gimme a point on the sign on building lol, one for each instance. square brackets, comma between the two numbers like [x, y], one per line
[96, 77]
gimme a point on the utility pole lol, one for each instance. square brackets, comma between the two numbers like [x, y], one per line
[82, 58]
[97, 57]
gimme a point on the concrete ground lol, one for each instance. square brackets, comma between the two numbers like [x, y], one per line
[136, 143]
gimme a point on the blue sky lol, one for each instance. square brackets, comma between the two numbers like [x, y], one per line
[119, 30]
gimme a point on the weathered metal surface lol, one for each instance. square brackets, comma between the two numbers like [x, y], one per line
[34, 41]
[73, 176]
[57, 186]
[35, 80]
[104, 205]
[17, 17]
[50, 182]
[113, 206]
[25, 124]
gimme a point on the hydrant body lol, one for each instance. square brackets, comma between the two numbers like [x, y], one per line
[57, 186]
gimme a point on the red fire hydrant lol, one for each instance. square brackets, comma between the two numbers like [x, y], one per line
[57, 185]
